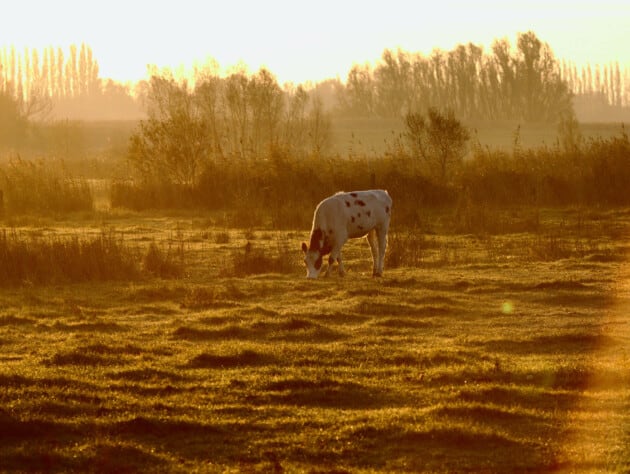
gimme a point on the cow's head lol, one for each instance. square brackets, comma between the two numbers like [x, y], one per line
[313, 260]
[314, 254]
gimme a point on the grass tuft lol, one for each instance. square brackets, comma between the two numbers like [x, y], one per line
[162, 263]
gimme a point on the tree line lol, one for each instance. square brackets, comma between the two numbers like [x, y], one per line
[522, 83]
[50, 72]
[36, 85]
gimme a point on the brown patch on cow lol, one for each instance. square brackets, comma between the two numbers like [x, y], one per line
[359, 214]
[316, 237]
[360, 227]
[358, 202]
[369, 213]
[387, 209]
[352, 218]
[353, 195]
[347, 203]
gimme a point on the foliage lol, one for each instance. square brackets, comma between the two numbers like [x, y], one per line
[190, 129]
[43, 187]
[437, 139]
[282, 190]
[579, 172]
[254, 259]
[171, 143]
[162, 263]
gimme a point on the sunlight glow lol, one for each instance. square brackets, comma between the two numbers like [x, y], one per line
[301, 41]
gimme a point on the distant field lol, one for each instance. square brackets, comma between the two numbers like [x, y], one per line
[477, 353]
[107, 141]
[374, 136]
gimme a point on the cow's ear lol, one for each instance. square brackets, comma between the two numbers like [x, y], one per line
[304, 247]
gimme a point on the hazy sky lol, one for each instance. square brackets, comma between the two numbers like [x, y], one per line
[312, 40]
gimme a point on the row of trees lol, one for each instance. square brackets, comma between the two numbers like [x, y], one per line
[50, 72]
[522, 83]
[59, 83]
[609, 81]
[190, 125]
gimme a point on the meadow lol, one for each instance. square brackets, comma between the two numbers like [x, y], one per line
[499, 350]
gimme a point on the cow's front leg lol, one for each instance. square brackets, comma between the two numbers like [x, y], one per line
[335, 255]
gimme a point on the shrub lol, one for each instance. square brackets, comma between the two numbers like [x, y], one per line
[49, 260]
[253, 260]
[42, 187]
[162, 263]
[405, 249]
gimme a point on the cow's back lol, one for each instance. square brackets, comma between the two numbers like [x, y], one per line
[352, 214]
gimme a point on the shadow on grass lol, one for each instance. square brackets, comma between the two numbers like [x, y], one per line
[45, 446]
[569, 343]
[93, 355]
[245, 358]
[325, 393]
[529, 398]
[434, 449]
[292, 329]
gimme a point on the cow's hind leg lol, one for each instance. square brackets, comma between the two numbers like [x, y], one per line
[382, 246]
[373, 240]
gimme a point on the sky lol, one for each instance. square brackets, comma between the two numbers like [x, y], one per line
[302, 41]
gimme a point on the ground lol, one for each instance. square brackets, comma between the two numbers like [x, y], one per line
[491, 353]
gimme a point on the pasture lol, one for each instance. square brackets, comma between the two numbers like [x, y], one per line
[502, 351]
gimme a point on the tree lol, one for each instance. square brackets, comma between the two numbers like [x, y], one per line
[358, 96]
[172, 143]
[392, 81]
[12, 123]
[544, 95]
[318, 128]
[266, 103]
[439, 140]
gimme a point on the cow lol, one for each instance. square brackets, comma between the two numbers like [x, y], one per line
[346, 216]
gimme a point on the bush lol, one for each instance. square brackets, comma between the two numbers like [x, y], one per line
[162, 263]
[51, 260]
[405, 249]
[43, 188]
[283, 190]
[253, 261]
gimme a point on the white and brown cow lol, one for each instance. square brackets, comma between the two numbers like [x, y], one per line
[348, 216]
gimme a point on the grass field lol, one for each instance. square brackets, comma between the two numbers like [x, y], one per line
[503, 352]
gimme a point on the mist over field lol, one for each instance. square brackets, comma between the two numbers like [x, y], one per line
[154, 314]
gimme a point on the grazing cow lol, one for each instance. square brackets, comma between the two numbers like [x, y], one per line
[348, 216]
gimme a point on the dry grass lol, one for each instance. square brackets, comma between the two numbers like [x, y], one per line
[482, 356]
